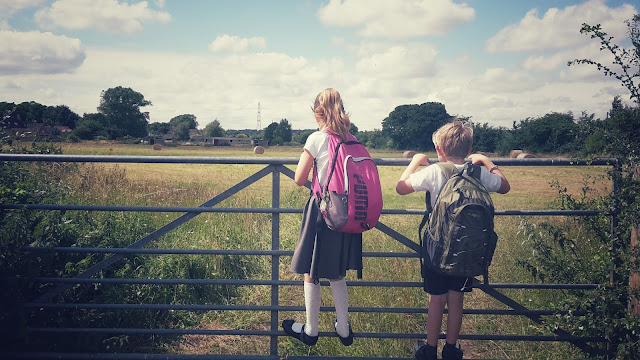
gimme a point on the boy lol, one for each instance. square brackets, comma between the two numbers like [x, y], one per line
[453, 143]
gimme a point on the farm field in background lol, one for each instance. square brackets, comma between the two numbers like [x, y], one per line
[193, 184]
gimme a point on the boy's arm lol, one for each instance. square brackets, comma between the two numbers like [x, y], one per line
[404, 186]
[493, 168]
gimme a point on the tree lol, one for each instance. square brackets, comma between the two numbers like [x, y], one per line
[181, 131]
[373, 139]
[625, 59]
[283, 132]
[189, 119]
[90, 127]
[60, 115]
[353, 129]
[269, 132]
[278, 133]
[159, 127]
[214, 129]
[486, 138]
[553, 133]
[121, 108]
[302, 136]
[411, 126]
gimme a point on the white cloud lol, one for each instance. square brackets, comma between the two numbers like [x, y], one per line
[39, 53]
[400, 62]
[10, 6]
[105, 15]
[227, 43]
[560, 28]
[396, 19]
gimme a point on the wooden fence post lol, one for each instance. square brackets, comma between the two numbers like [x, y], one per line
[634, 277]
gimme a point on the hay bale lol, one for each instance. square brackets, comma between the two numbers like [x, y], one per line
[525, 156]
[514, 153]
[157, 147]
[408, 154]
[481, 153]
[258, 150]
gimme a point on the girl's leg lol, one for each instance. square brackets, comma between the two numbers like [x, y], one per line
[312, 302]
[434, 317]
[341, 301]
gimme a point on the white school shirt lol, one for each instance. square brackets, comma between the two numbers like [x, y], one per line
[432, 179]
[318, 146]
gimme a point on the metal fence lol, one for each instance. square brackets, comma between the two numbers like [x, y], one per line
[275, 167]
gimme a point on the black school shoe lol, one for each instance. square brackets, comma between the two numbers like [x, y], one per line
[346, 341]
[302, 336]
[423, 351]
[452, 352]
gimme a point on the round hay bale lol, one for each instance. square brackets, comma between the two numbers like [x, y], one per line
[514, 153]
[157, 147]
[408, 154]
[525, 156]
[481, 153]
[258, 150]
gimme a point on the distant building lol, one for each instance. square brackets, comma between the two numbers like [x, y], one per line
[221, 141]
[14, 119]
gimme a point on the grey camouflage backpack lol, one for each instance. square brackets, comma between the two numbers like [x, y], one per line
[459, 239]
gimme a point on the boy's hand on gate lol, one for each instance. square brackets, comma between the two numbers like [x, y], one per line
[479, 159]
[420, 159]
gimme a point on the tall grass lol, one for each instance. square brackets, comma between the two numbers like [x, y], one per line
[191, 185]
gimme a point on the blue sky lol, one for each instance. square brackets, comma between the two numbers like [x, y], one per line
[497, 61]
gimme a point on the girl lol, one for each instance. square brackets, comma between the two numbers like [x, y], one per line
[322, 252]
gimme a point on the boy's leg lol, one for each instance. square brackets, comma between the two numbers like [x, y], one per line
[434, 317]
[455, 303]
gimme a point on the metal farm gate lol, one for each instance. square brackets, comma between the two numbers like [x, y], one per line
[274, 167]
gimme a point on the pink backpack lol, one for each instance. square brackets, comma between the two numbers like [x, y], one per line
[351, 199]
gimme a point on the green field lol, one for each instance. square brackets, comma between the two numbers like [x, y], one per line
[193, 184]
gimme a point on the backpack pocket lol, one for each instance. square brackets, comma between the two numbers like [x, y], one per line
[335, 209]
[470, 242]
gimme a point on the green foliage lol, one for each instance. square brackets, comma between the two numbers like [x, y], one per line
[373, 139]
[553, 133]
[411, 126]
[583, 250]
[77, 184]
[188, 119]
[625, 59]
[278, 133]
[487, 138]
[623, 131]
[38, 113]
[301, 138]
[181, 131]
[214, 129]
[90, 127]
[159, 127]
[353, 129]
[121, 108]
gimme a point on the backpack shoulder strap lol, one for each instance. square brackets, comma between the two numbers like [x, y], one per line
[448, 169]
[473, 170]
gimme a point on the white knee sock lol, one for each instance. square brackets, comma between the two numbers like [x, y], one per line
[341, 301]
[312, 302]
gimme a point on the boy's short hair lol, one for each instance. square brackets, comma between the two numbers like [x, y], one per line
[454, 138]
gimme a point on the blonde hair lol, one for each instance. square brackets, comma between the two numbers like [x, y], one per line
[454, 138]
[329, 112]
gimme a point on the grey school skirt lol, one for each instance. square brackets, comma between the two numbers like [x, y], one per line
[322, 252]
